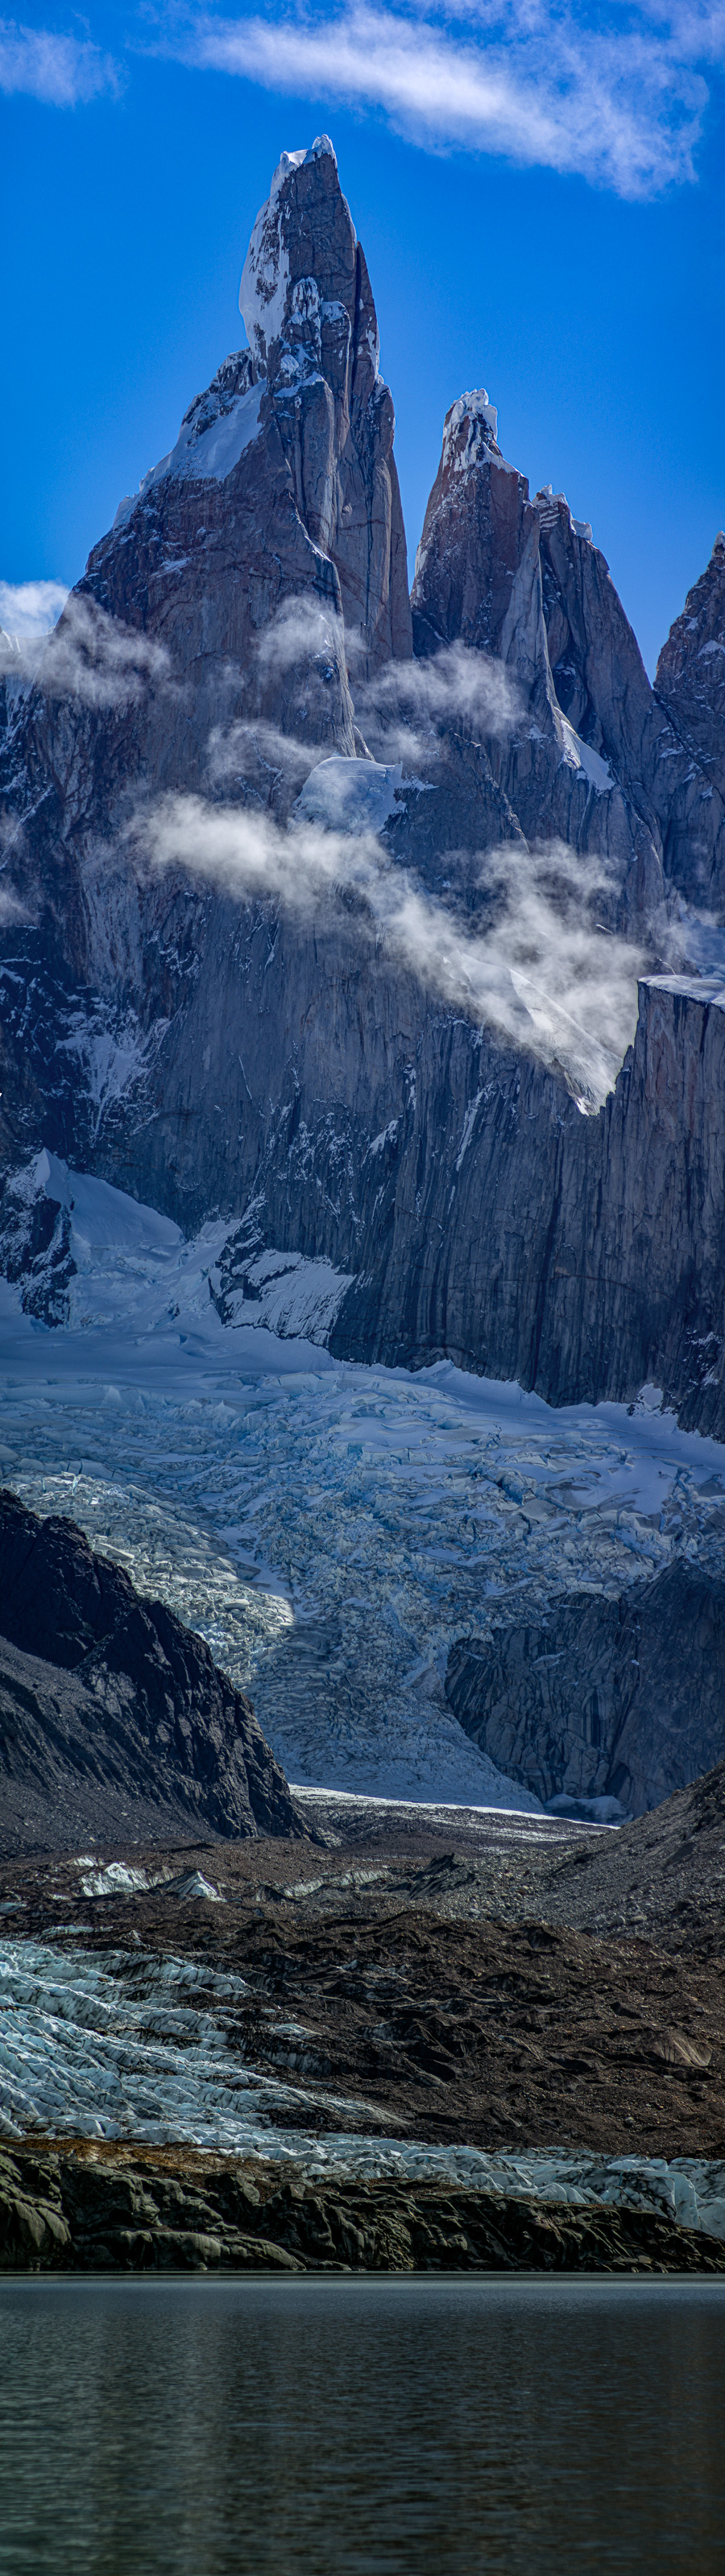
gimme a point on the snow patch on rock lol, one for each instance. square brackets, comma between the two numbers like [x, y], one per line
[206, 457]
[482, 414]
[349, 795]
[292, 1296]
[579, 755]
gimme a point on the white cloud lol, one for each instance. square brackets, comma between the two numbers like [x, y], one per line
[30, 608]
[617, 95]
[61, 71]
[303, 630]
[411, 707]
[248, 749]
[89, 656]
[542, 975]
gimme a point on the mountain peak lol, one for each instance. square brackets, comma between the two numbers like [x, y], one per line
[470, 427]
[301, 268]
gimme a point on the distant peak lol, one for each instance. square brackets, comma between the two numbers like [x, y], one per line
[321, 150]
[474, 407]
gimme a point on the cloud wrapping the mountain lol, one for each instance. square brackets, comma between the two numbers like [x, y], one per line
[408, 704]
[542, 975]
[89, 656]
[617, 96]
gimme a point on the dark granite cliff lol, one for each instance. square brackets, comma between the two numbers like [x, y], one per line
[620, 1699]
[114, 1720]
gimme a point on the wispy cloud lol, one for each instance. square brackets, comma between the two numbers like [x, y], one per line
[542, 976]
[88, 656]
[409, 710]
[62, 71]
[28, 609]
[617, 94]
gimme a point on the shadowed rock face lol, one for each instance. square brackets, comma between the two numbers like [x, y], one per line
[690, 675]
[483, 577]
[602, 685]
[113, 1715]
[620, 1698]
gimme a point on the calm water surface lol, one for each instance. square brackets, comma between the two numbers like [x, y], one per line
[361, 2428]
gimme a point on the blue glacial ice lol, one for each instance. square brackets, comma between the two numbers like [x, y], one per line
[329, 1528]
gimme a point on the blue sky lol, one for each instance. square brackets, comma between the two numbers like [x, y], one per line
[540, 191]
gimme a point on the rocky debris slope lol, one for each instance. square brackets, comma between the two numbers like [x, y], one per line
[530, 1986]
[103, 2212]
[662, 1877]
[113, 1715]
[619, 1698]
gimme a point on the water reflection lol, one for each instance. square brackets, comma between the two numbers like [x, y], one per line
[360, 2428]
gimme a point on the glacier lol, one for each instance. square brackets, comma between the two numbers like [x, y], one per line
[329, 1528]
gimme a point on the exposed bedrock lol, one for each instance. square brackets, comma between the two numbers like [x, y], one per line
[582, 1256]
[114, 1720]
[602, 1698]
[68, 2211]
[595, 756]
[690, 675]
[657, 754]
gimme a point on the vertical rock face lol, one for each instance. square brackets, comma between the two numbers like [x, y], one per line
[602, 1698]
[205, 651]
[477, 568]
[580, 1256]
[484, 576]
[311, 322]
[690, 675]
[647, 736]
[597, 668]
[597, 757]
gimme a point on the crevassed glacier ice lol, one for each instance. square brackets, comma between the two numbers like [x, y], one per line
[330, 1528]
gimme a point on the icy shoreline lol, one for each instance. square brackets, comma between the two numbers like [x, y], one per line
[129, 2047]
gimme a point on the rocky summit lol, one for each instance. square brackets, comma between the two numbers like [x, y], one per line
[368, 925]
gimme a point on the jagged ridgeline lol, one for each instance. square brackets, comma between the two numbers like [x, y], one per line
[324, 909]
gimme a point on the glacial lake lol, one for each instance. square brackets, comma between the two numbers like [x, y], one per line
[375, 2427]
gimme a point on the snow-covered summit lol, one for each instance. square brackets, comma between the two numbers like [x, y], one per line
[481, 415]
[470, 437]
[281, 278]
[549, 505]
